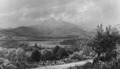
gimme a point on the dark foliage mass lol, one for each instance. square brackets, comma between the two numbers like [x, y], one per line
[61, 53]
[104, 43]
[35, 57]
[57, 53]
[55, 49]
[48, 55]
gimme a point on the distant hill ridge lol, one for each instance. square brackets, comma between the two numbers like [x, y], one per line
[49, 28]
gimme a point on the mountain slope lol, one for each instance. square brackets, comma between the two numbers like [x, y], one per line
[58, 29]
[49, 28]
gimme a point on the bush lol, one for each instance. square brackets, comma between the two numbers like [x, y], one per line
[61, 53]
[17, 57]
[69, 51]
[3, 52]
[11, 55]
[48, 55]
[77, 55]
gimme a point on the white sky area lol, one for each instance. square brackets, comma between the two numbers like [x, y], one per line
[14, 13]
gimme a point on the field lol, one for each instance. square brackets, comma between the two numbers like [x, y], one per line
[50, 43]
[45, 44]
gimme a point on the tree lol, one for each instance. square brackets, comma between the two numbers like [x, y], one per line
[61, 53]
[55, 49]
[17, 57]
[36, 45]
[35, 57]
[11, 55]
[47, 55]
[105, 41]
[21, 55]
[21, 58]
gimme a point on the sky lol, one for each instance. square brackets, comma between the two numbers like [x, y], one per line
[14, 13]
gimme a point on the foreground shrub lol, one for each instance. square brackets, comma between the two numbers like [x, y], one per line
[17, 57]
[77, 55]
[6, 64]
[11, 55]
[3, 52]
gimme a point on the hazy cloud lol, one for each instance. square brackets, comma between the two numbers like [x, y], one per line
[81, 12]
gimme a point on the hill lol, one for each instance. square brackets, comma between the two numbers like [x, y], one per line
[49, 28]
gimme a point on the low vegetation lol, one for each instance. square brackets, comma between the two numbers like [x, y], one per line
[104, 44]
[102, 48]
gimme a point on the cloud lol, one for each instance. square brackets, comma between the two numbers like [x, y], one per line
[24, 12]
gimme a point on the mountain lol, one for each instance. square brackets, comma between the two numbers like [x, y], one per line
[49, 28]
[23, 32]
[55, 28]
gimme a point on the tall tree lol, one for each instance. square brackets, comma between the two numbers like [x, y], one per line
[105, 41]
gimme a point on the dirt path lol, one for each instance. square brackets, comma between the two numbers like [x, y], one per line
[65, 66]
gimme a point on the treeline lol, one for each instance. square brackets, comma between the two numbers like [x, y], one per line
[56, 53]
[20, 58]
